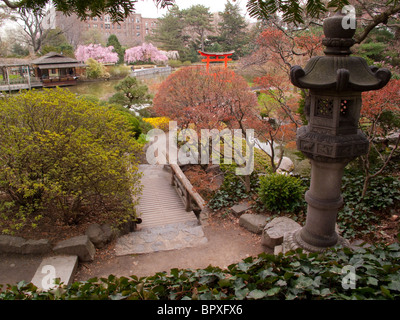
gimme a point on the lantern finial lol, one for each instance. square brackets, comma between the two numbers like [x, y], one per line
[338, 35]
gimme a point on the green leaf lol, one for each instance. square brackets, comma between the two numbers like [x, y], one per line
[386, 292]
[394, 285]
[223, 283]
[273, 291]
[175, 272]
[257, 294]
[303, 282]
[266, 273]
[372, 281]
[325, 292]
[281, 283]
[241, 293]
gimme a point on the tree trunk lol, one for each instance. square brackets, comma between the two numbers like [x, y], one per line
[247, 183]
[365, 185]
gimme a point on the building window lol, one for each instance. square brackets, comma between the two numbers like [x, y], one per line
[94, 18]
[137, 20]
[106, 26]
[137, 34]
[118, 26]
[138, 27]
[95, 26]
[101, 25]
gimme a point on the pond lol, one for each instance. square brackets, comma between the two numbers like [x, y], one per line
[104, 89]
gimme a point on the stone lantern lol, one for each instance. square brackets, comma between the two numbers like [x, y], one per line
[332, 138]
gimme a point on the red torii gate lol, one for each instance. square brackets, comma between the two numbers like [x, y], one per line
[216, 56]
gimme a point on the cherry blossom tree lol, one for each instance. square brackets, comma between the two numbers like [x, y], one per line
[96, 52]
[146, 53]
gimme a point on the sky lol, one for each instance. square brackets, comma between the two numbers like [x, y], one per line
[148, 8]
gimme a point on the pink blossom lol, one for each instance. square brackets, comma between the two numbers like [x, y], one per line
[96, 52]
[145, 52]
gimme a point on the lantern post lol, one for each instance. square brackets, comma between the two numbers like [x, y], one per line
[332, 138]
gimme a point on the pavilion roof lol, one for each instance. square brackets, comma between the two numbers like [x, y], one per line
[53, 58]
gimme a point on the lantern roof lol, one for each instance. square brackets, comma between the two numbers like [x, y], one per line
[337, 70]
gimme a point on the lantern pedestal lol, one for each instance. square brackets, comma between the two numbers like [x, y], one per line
[332, 138]
[324, 200]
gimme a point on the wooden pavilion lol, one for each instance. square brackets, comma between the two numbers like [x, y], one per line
[54, 69]
[17, 74]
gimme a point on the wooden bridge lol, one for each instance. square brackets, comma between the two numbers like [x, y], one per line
[167, 208]
[20, 85]
[161, 203]
[151, 71]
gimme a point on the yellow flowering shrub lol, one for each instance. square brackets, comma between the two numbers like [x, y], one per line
[64, 158]
[159, 122]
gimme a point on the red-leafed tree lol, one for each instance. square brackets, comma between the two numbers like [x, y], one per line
[278, 49]
[380, 121]
[219, 99]
[211, 100]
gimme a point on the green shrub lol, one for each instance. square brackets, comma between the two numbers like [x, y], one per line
[135, 124]
[64, 157]
[357, 218]
[293, 276]
[90, 98]
[119, 71]
[280, 192]
[175, 63]
[119, 98]
[96, 70]
[232, 189]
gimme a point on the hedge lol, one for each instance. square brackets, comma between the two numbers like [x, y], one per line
[295, 275]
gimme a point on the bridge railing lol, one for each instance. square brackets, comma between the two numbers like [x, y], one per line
[151, 71]
[191, 198]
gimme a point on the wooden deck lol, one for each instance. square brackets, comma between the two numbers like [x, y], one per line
[20, 86]
[159, 203]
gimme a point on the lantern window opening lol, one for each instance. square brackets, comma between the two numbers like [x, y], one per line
[324, 108]
[344, 107]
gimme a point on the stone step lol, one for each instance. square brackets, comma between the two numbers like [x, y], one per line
[51, 268]
[161, 238]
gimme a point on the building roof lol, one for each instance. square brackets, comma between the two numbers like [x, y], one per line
[13, 62]
[61, 65]
[53, 58]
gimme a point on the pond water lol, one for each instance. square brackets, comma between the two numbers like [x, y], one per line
[105, 89]
[101, 89]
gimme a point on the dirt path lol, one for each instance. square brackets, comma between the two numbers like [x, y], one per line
[227, 243]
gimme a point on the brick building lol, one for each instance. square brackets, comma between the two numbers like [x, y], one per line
[130, 32]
